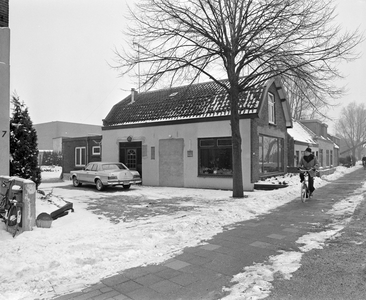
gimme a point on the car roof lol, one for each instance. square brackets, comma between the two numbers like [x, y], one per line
[105, 162]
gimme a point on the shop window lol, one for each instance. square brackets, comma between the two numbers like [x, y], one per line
[215, 156]
[271, 154]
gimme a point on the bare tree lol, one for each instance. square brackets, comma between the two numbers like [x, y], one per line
[215, 39]
[352, 127]
[305, 103]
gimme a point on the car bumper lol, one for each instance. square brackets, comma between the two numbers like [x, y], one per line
[122, 182]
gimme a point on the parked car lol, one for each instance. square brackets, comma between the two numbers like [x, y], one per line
[104, 174]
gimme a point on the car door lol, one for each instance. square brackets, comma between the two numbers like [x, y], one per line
[85, 175]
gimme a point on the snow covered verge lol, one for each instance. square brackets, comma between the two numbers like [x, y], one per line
[83, 247]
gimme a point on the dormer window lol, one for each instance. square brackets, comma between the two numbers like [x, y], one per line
[271, 109]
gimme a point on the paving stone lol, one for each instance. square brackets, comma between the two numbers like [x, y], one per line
[276, 236]
[108, 295]
[148, 279]
[293, 230]
[210, 247]
[144, 293]
[115, 280]
[121, 297]
[260, 244]
[169, 273]
[165, 287]
[127, 286]
[88, 295]
[176, 264]
[184, 279]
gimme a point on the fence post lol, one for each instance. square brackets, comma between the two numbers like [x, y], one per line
[29, 205]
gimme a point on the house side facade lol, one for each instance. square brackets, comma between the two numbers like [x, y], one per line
[197, 152]
[77, 152]
[269, 137]
[4, 87]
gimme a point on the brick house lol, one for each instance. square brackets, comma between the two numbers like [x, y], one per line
[79, 151]
[181, 136]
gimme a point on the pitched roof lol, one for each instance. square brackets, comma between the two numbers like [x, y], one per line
[178, 103]
[301, 133]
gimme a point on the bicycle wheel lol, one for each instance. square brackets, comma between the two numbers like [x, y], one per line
[303, 192]
[12, 216]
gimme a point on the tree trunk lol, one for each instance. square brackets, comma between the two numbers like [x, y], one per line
[236, 142]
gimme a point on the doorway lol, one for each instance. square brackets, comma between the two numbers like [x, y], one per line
[130, 155]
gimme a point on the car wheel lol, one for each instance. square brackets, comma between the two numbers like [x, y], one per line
[127, 186]
[99, 185]
[75, 181]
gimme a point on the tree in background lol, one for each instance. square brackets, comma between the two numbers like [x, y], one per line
[51, 158]
[352, 127]
[246, 42]
[23, 144]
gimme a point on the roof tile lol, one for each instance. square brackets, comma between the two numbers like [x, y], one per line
[187, 102]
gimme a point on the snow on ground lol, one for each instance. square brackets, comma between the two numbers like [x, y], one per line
[83, 247]
[255, 282]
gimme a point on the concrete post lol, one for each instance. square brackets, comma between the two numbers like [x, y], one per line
[28, 200]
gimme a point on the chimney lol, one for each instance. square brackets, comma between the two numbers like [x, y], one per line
[133, 95]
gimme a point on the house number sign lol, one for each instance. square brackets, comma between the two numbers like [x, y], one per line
[4, 132]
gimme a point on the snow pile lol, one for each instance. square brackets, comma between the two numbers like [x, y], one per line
[83, 247]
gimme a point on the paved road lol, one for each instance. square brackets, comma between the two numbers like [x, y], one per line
[338, 271]
[201, 272]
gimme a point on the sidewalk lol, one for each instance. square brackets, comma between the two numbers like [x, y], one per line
[201, 272]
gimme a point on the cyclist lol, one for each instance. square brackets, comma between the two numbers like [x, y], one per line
[309, 162]
[364, 161]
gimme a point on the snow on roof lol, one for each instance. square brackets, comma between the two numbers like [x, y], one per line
[301, 134]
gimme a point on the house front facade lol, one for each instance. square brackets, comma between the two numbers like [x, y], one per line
[181, 137]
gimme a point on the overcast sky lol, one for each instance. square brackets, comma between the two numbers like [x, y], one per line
[60, 50]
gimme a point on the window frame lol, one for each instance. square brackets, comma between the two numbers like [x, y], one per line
[216, 144]
[80, 158]
[96, 153]
[280, 144]
[271, 108]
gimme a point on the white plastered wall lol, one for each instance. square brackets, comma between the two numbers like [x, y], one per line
[190, 133]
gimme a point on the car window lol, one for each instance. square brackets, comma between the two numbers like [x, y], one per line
[95, 167]
[88, 167]
[113, 167]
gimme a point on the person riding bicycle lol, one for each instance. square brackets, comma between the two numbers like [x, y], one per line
[309, 162]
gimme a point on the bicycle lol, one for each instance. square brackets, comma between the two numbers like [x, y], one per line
[304, 185]
[11, 209]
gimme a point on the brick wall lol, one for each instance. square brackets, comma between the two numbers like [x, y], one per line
[4, 13]
[261, 126]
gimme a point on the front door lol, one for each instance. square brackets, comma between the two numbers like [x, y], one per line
[130, 155]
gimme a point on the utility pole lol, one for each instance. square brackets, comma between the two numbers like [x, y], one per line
[138, 64]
